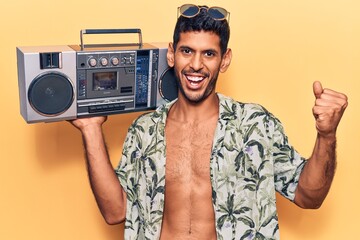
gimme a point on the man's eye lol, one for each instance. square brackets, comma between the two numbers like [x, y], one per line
[186, 51]
[209, 54]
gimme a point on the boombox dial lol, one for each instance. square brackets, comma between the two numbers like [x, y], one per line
[104, 61]
[92, 62]
[115, 61]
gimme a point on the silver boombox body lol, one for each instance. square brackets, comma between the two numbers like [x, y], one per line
[71, 81]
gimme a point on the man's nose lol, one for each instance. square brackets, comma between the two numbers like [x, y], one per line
[196, 62]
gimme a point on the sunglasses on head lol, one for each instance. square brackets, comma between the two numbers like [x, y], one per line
[191, 10]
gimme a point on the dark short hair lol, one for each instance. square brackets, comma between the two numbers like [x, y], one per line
[203, 22]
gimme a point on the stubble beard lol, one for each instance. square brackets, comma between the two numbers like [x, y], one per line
[197, 97]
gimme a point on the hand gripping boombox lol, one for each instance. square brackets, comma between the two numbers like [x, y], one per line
[71, 81]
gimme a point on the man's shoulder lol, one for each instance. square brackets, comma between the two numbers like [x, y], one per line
[245, 109]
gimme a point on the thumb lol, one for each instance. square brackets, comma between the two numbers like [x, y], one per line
[317, 88]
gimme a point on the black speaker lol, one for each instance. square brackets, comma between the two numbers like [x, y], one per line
[168, 86]
[51, 94]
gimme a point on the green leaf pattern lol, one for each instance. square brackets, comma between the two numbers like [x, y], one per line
[251, 159]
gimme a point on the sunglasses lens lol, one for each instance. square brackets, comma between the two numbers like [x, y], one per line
[189, 10]
[217, 13]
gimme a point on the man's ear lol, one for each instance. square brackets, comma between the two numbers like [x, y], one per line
[170, 55]
[226, 60]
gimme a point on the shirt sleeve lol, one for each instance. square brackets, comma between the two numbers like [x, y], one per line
[288, 163]
[122, 170]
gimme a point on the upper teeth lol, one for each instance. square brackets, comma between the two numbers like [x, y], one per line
[195, 78]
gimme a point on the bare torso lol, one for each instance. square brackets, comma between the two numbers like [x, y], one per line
[188, 212]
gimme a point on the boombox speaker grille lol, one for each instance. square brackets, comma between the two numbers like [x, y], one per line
[51, 94]
[168, 85]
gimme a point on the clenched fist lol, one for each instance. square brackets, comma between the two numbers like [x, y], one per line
[328, 109]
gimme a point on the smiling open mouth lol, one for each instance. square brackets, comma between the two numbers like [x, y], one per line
[195, 80]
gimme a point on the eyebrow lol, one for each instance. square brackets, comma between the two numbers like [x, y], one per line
[206, 50]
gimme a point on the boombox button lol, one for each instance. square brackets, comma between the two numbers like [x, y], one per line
[105, 108]
[155, 74]
[131, 60]
[92, 109]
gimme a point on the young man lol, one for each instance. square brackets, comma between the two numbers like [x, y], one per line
[206, 166]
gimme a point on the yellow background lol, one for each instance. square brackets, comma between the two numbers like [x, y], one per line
[279, 48]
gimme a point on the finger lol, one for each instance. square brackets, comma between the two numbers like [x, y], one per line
[323, 113]
[318, 110]
[317, 89]
[327, 99]
[334, 93]
[327, 103]
[332, 98]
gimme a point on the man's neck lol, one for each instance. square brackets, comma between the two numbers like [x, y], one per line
[185, 111]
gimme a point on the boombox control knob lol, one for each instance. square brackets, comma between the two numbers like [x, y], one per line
[115, 61]
[92, 62]
[103, 61]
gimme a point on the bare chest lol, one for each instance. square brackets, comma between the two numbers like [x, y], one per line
[188, 149]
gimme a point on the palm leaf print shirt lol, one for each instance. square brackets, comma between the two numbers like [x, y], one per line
[250, 160]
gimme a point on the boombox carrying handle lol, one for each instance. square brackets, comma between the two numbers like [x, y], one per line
[111, 31]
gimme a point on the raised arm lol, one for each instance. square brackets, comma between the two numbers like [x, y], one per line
[318, 173]
[105, 185]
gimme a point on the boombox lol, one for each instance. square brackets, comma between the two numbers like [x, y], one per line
[71, 81]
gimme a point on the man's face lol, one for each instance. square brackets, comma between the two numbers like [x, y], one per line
[197, 62]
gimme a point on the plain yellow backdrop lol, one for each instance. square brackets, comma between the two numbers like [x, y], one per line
[279, 48]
